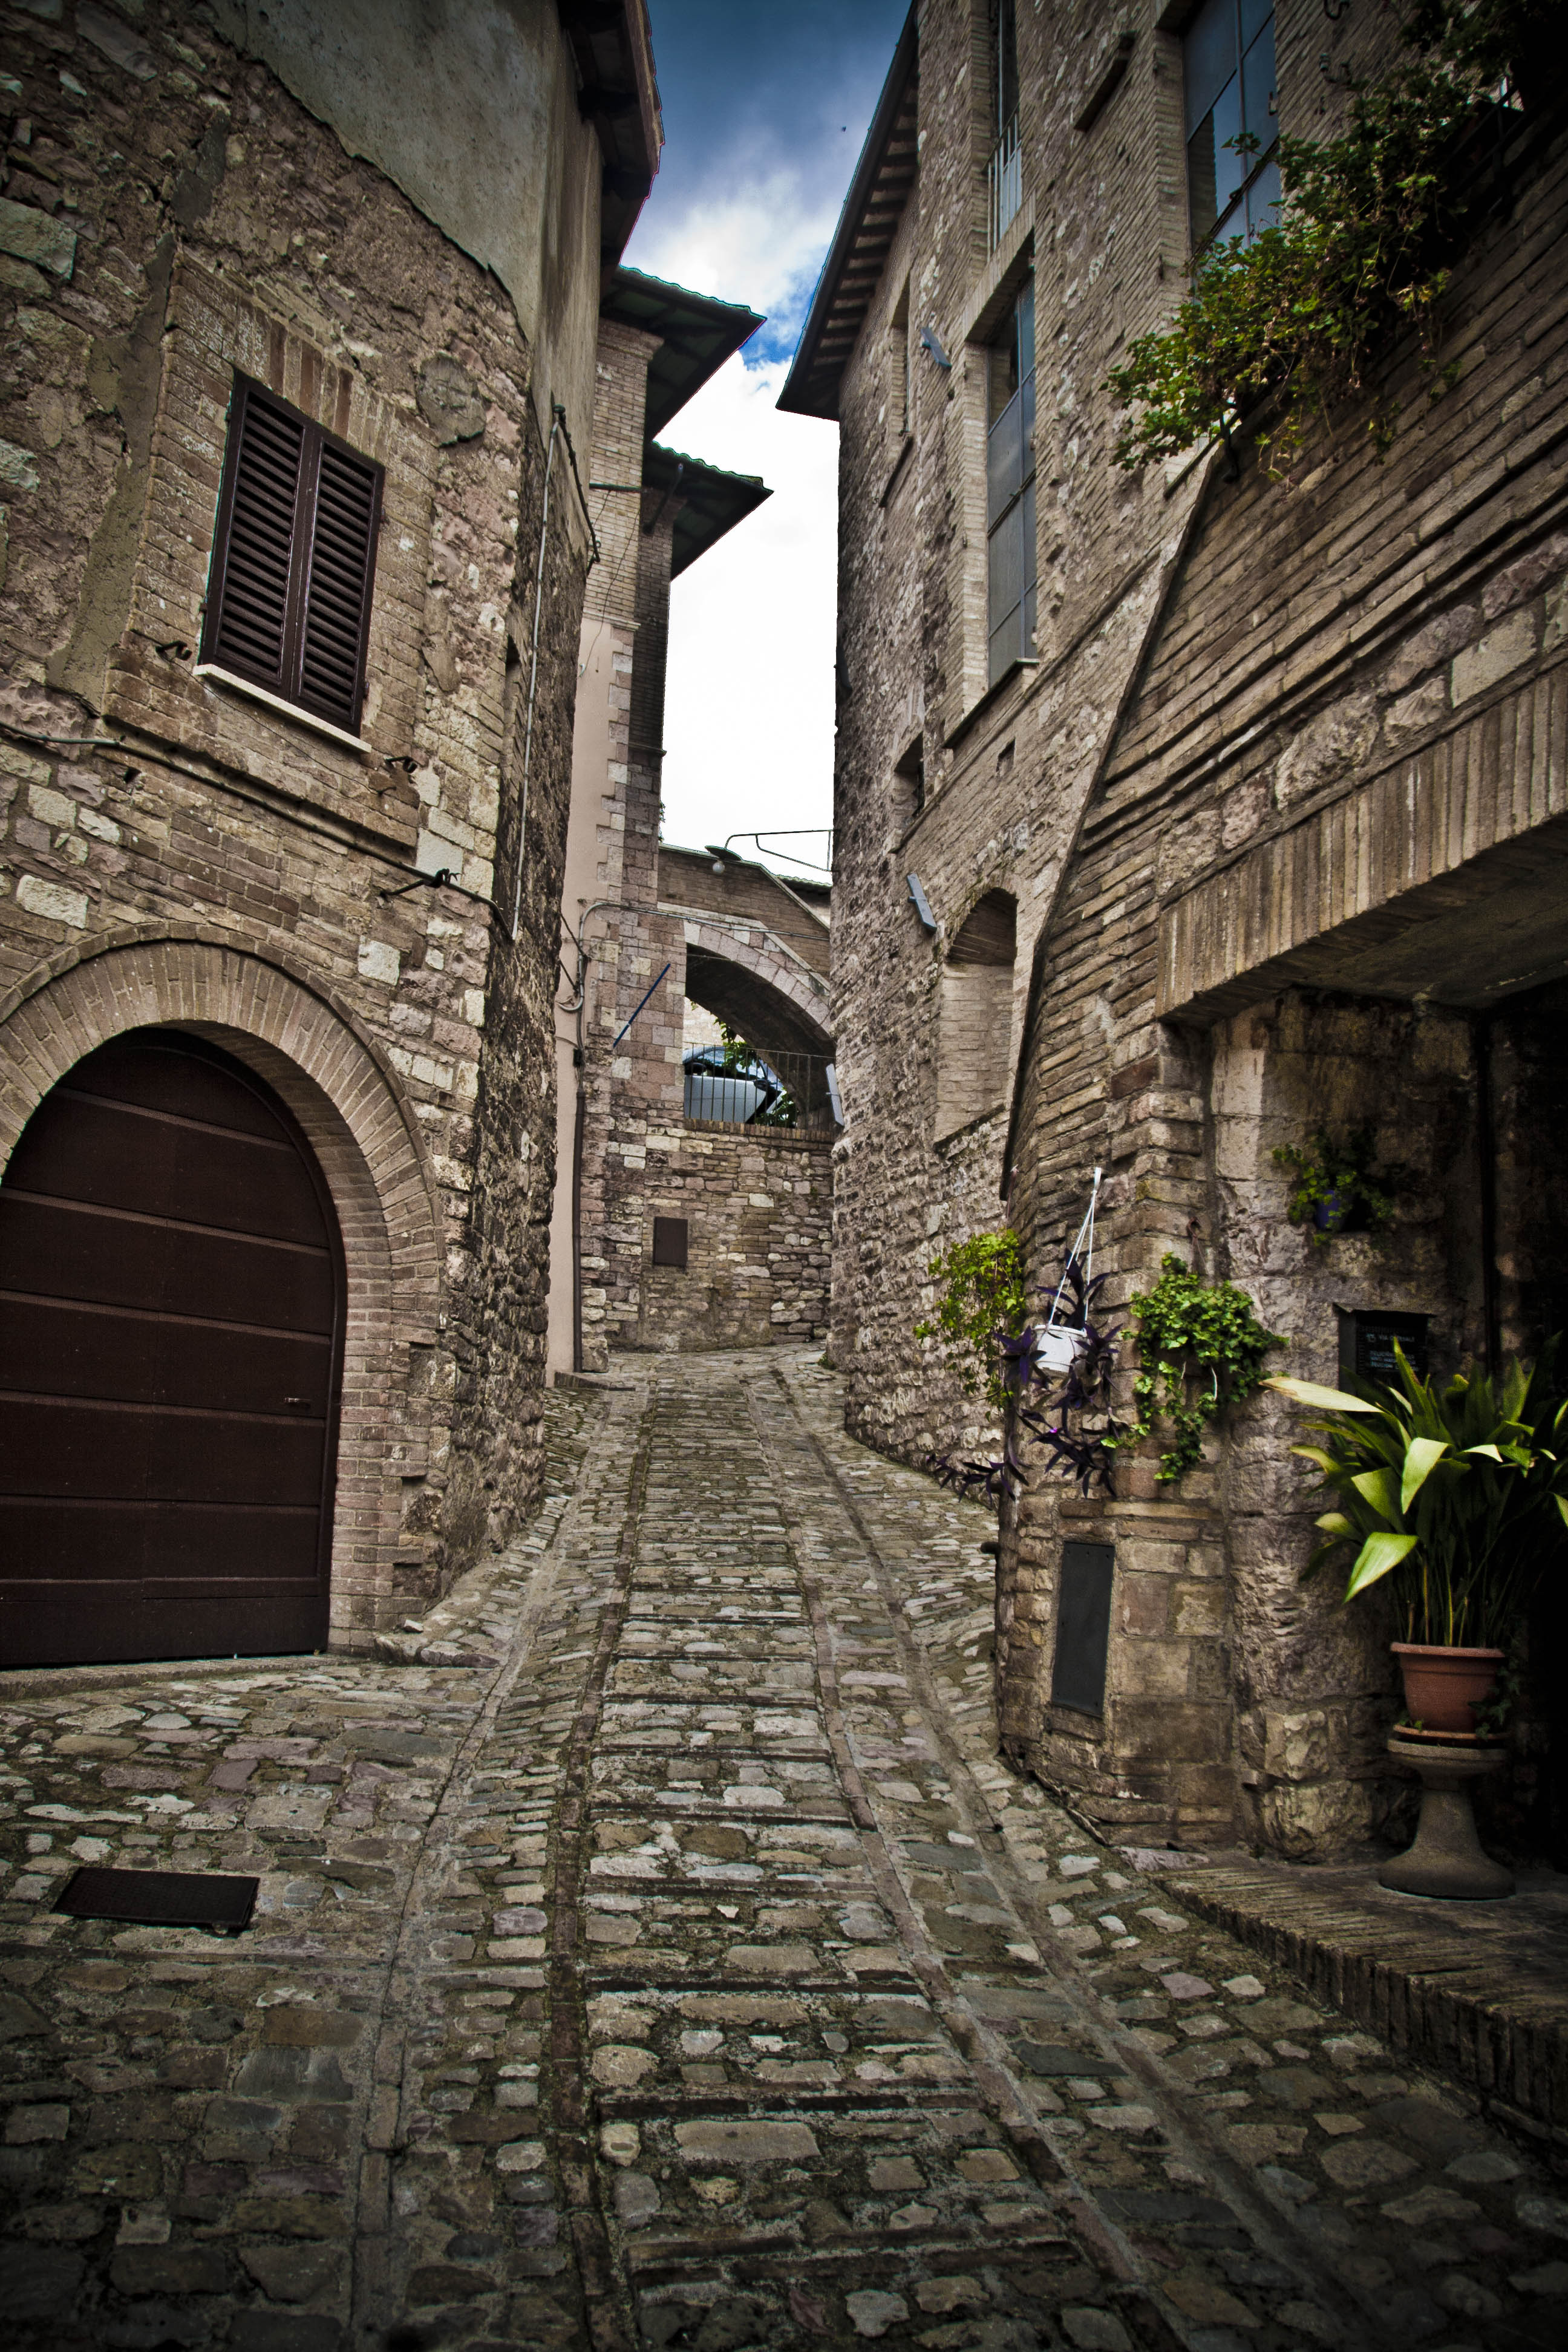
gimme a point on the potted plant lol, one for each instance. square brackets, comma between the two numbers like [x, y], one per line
[1460, 1495]
[1334, 1190]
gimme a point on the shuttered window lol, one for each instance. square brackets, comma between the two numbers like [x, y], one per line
[294, 558]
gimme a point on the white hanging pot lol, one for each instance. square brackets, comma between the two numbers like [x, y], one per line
[1058, 1348]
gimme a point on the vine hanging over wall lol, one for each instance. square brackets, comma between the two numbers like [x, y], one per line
[1367, 223]
[982, 1302]
[1201, 1349]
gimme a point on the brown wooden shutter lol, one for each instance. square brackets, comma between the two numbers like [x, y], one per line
[294, 558]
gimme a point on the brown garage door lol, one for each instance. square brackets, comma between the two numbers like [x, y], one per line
[170, 1349]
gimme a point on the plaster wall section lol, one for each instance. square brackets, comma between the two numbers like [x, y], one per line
[1382, 739]
[495, 153]
[174, 214]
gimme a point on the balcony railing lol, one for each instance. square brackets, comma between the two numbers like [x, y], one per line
[749, 1087]
[1004, 185]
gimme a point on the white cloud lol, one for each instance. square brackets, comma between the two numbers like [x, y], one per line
[748, 724]
[761, 244]
[748, 706]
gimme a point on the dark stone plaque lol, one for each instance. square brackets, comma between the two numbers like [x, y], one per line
[1368, 1336]
[1083, 1626]
[670, 1242]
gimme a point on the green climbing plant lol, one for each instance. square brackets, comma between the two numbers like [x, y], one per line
[981, 1293]
[1200, 1350]
[1334, 1189]
[1368, 225]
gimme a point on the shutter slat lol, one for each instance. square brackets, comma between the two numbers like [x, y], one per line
[250, 631]
[337, 603]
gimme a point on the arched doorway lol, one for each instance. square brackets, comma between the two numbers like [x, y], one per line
[172, 1320]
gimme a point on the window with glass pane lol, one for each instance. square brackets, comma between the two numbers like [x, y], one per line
[1229, 68]
[1010, 489]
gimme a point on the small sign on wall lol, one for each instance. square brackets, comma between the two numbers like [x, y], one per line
[670, 1236]
[1083, 1627]
[1368, 1337]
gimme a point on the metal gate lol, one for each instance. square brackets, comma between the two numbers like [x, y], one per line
[172, 1312]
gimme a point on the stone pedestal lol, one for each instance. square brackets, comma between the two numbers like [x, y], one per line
[1446, 1858]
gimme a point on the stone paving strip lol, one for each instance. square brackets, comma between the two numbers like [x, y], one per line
[685, 1970]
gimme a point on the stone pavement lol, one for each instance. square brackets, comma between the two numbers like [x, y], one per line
[684, 1971]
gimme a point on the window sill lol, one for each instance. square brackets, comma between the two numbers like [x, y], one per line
[989, 700]
[236, 685]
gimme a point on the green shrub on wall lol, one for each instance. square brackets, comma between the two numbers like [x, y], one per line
[1201, 1349]
[1368, 224]
[981, 1296]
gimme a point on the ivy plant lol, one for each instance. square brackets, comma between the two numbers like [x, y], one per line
[982, 1302]
[1368, 225]
[1201, 1349]
[1335, 1187]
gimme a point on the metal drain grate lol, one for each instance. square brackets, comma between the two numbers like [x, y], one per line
[159, 1898]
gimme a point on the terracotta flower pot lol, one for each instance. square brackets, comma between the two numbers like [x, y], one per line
[1441, 1686]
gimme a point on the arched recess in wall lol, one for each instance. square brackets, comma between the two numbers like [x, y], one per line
[352, 1115]
[976, 1017]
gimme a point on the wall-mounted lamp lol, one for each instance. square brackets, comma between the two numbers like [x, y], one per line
[929, 343]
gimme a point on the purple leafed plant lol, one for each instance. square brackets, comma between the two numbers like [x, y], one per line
[1050, 1403]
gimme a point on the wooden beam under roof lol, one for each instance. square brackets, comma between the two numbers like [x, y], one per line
[867, 227]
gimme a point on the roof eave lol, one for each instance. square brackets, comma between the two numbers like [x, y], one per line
[612, 46]
[800, 396]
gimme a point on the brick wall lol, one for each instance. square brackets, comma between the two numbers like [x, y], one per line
[1312, 888]
[218, 863]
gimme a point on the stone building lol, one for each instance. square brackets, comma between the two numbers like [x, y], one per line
[1258, 837]
[302, 309]
[674, 1229]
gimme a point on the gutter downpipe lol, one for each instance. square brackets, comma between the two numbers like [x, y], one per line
[556, 425]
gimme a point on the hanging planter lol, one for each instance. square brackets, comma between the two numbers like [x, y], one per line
[1060, 1341]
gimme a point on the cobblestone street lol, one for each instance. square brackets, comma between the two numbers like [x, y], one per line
[657, 1954]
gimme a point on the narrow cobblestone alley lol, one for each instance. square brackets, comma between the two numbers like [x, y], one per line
[657, 1954]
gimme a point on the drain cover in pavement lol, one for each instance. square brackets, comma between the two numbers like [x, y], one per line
[159, 1898]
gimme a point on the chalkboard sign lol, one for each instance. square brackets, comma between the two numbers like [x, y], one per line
[1367, 1338]
[1083, 1627]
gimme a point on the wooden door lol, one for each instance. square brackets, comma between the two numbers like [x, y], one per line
[171, 1305]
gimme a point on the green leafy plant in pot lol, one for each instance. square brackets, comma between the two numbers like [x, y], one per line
[1459, 1495]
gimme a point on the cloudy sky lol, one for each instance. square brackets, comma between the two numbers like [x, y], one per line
[766, 108]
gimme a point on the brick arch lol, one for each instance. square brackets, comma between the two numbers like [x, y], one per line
[353, 1111]
[756, 971]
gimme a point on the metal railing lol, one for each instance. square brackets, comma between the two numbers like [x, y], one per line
[757, 1087]
[1003, 184]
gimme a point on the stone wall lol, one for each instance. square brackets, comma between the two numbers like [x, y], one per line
[172, 215]
[1103, 225]
[758, 1207]
[1319, 863]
